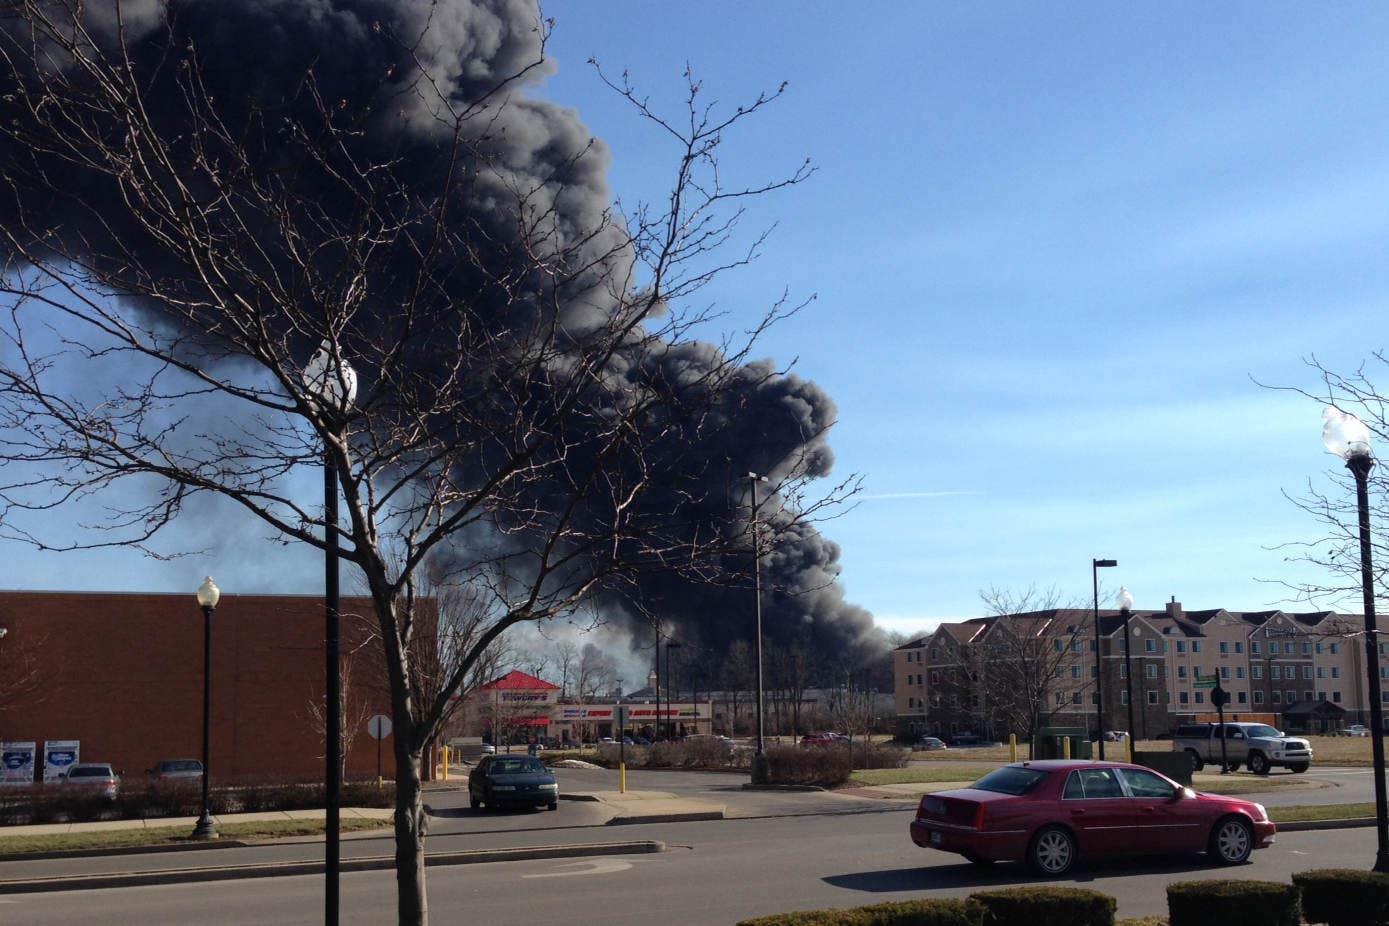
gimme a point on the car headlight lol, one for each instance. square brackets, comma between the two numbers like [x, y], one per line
[503, 787]
[1263, 812]
[549, 787]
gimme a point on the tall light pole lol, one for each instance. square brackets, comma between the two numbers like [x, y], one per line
[759, 760]
[1095, 566]
[333, 383]
[656, 730]
[1346, 436]
[670, 680]
[1125, 603]
[208, 595]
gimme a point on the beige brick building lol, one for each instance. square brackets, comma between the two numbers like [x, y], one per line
[1303, 671]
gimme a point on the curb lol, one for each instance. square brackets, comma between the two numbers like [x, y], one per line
[692, 816]
[578, 797]
[284, 869]
[1304, 825]
[752, 787]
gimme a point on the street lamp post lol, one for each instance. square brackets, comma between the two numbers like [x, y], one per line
[333, 383]
[1346, 436]
[1125, 602]
[670, 683]
[1095, 566]
[759, 761]
[208, 595]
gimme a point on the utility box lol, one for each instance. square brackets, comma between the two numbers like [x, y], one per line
[1049, 743]
[1175, 765]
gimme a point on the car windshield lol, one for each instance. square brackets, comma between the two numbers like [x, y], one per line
[523, 766]
[1010, 780]
[182, 765]
[1261, 730]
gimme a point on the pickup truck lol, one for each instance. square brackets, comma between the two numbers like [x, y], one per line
[1256, 744]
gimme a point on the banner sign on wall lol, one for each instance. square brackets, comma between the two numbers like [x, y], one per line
[59, 756]
[17, 763]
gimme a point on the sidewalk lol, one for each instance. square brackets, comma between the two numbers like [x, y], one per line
[384, 814]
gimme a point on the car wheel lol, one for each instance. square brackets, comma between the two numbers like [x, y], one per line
[1232, 766]
[1052, 851]
[1196, 763]
[1231, 842]
[1299, 767]
[1258, 764]
[554, 805]
[473, 802]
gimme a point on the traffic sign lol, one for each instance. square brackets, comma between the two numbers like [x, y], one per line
[1204, 683]
[1220, 697]
[379, 727]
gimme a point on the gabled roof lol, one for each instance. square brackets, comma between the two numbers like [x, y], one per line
[518, 681]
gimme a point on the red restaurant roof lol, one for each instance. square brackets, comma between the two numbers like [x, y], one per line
[518, 681]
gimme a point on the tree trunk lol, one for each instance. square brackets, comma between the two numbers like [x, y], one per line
[412, 904]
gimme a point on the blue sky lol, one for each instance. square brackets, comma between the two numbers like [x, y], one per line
[1053, 247]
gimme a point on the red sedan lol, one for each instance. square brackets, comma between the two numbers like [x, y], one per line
[1049, 813]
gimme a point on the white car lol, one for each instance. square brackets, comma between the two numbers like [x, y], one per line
[1356, 729]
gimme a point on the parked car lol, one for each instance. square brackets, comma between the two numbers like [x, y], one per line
[176, 770]
[1257, 744]
[1115, 736]
[1356, 729]
[966, 740]
[1052, 813]
[93, 775]
[823, 739]
[929, 744]
[499, 781]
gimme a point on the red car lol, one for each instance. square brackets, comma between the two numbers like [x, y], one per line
[1049, 813]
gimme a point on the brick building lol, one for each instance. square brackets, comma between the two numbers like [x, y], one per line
[1270, 662]
[123, 674]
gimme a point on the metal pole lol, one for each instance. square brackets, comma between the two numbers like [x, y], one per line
[1360, 465]
[656, 730]
[1220, 716]
[1099, 663]
[757, 592]
[334, 691]
[1128, 671]
[205, 828]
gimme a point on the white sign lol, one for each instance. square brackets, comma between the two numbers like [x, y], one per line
[17, 763]
[379, 727]
[59, 756]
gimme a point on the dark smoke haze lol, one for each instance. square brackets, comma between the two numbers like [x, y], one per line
[253, 55]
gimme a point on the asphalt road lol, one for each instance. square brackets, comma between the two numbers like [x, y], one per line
[715, 873]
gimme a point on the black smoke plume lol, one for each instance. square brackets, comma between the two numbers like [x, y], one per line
[413, 64]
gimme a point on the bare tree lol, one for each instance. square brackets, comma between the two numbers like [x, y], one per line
[529, 411]
[565, 659]
[737, 678]
[21, 668]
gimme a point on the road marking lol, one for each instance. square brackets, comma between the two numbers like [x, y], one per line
[596, 867]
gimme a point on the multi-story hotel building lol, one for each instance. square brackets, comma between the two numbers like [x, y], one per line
[1300, 671]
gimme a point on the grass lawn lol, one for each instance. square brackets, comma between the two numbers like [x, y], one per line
[170, 835]
[1322, 812]
[920, 775]
[1238, 783]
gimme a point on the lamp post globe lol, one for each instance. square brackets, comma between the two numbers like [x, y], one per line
[208, 595]
[1347, 437]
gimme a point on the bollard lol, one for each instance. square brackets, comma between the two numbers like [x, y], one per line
[1065, 747]
[1012, 747]
[446, 763]
[622, 778]
[1128, 747]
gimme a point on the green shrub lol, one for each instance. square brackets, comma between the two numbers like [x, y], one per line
[879, 755]
[906, 913]
[1045, 906]
[1344, 897]
[1234, 903]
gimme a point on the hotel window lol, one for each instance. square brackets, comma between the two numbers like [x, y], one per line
[1200, 697]
[1183, 697]
[1196, 646]
[1150, 646]
[1094, 671]
[1307, 651]
[1335, 648]
[1275, 673]
[1335, 671]
[1150, 670]
[1254, 647]
[1060, 671]
[1307, 672]
[1164, 670]
[1075, 646]
[1152, 697]
[1258, 671]
[1224, 647]
[1075, 671]
[1336, 696]
[1321, 671]
[1239, 647]
[1057, 645]
[1239, 671]
[1319, 653]
[1307, 695]
[1321, 696]
[935, 654]
[1277, 697]
[1075, 697]
[1258, 697]
[1224, 671]
[1384, 697]
[1292, 697]
[1123, 670]
[1123, 697]
[1242, 697]
[1060, 699]
[1181, 646]
[1181, 671]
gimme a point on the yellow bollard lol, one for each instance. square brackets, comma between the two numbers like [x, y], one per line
[622, 777]
[1065, 747]
[1128, 747]
[1012, 747]
[446, 763]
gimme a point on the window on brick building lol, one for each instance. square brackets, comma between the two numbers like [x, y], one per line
[1150, 670]
[1239, 671]
[1335, 648]
[1336, 696]
[1224, 647]
[1335, 671]
[1181, 671]
[1152, 697]
[1254, 647]
[1200, 697]
[1242, 697]
[1196, 646]
[1183, 697]
[1239, 647]
[1278, 697]
[1258, 671]
[1150, 646]
[1258, 697]
[1181, 646]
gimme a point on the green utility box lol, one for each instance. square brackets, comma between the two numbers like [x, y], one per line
[1049, 743]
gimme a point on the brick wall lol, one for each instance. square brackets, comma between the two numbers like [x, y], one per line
[124, 675]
